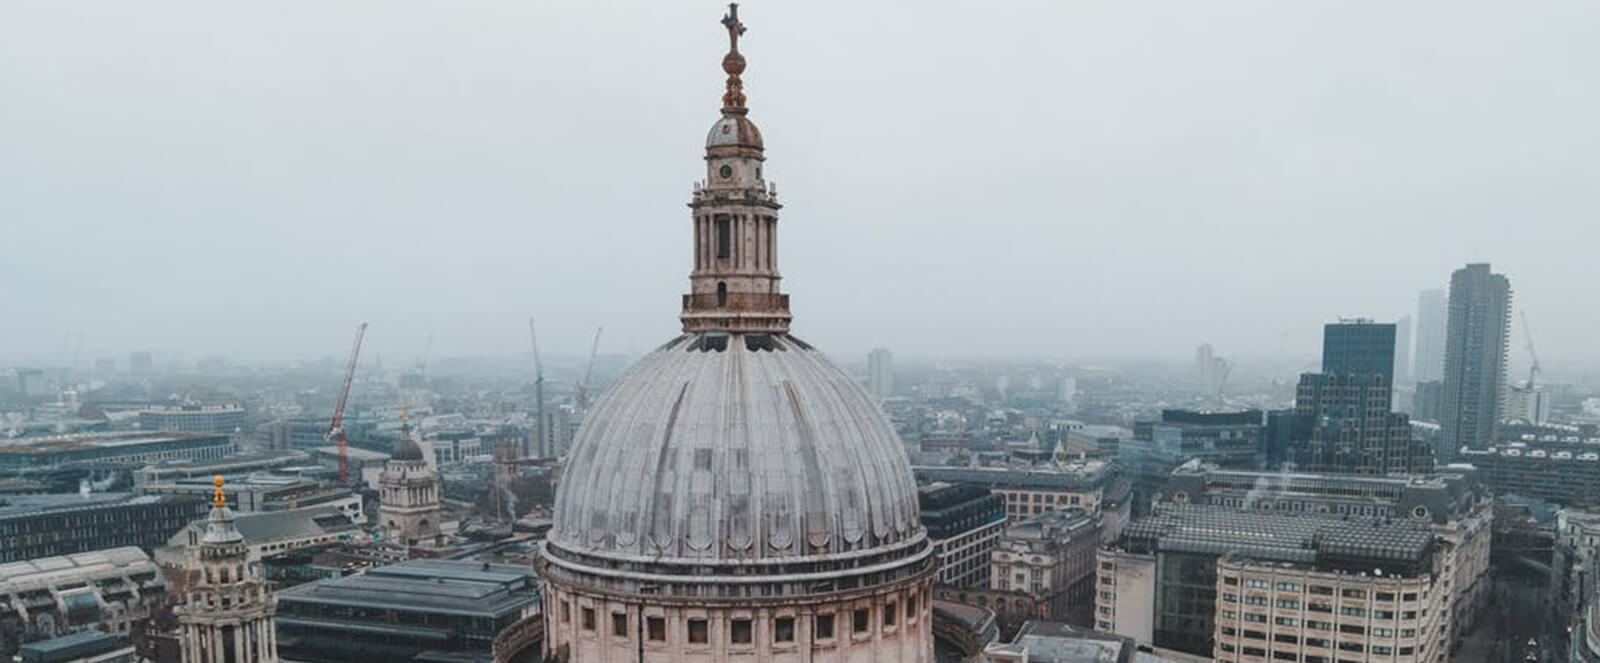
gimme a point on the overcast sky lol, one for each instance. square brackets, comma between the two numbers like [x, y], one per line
[1075, 179]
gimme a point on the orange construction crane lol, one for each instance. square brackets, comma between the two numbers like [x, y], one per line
[336, 431]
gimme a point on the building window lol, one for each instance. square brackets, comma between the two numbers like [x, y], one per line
[619, 624]
[724, 236]
[741, 632]
[656, 628]
[1354, 593]
[825, 626]
[888, 615]
[566, 611]
[698, 632]
[588, 619]
[783, 629]
[860, 620]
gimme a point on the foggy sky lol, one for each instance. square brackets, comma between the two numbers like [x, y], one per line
[1074, 179]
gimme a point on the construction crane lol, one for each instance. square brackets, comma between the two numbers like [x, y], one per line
[336, 431]
[538, 387]
[583, 387]
[1533, 369]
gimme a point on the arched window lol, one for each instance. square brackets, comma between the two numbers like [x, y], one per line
[722, 293]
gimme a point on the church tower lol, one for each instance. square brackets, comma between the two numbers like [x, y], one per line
[229, 614]
[409, 508]
[734, 284]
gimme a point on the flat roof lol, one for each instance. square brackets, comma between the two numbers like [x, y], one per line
[436, 586]
[103, 440]
[70, 647]
[1280, 536]
[18, 506]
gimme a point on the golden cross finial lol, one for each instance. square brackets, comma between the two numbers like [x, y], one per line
[217, 497]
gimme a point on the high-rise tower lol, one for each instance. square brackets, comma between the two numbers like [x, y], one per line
[229, 614]
[735, 496]
[1474, 356]
[880, 373]
[1431, 321]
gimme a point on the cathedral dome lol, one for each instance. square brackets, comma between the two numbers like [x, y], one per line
[734, 131]
[744, 448]
[406, 449]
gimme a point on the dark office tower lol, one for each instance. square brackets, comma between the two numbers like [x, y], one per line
[1402, 350]
[1359, 347]
[1348, 427]
[1431, 318]
[1474, 356]
[1345, 420]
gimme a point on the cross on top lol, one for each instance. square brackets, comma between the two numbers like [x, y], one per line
[735, 28]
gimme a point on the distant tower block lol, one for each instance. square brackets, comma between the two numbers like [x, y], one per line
[229, 614]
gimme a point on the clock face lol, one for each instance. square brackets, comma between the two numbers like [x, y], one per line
[727, 171]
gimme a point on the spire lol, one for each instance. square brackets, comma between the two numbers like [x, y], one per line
[220, 528]
[733, 63]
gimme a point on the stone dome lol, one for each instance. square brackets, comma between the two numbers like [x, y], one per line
[406, 449]
[734, 130]
[737, 448]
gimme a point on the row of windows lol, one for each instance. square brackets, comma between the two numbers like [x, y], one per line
[741, 630]
[1320, 590]
[1315, 625]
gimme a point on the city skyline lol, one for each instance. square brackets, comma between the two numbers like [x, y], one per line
[453, 214]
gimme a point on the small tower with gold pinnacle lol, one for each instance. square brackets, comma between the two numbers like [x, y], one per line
[228, 617]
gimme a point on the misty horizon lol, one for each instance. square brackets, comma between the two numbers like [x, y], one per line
[254, 183]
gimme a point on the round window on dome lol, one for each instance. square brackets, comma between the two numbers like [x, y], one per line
[726, 172]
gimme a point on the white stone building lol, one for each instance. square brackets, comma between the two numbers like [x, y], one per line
[409, 507]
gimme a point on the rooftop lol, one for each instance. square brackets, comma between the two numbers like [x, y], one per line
[1054, 642]
[47, 571]
[106, 440]
[1080, 474]
[70, 647]
[1323, 541]
[18, 506]
[432, 586]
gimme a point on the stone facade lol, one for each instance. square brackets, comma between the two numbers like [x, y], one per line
[228, 613]
[409, 510]
[1278, 612]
